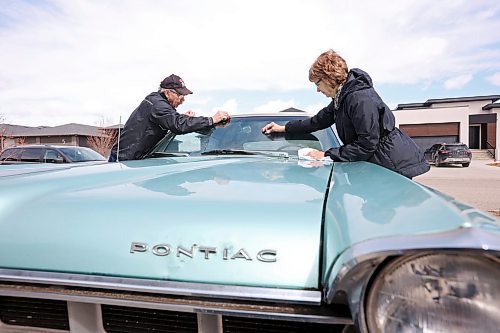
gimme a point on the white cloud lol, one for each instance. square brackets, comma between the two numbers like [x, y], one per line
[495, 79]
[457, 82]
[194, 99]
[275, 106]
[81, 59]
[314, 108]
[230, 106]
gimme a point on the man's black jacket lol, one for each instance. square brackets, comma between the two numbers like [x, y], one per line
[149, 123]
[366, 126]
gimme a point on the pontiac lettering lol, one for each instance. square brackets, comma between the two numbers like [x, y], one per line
[208, 252]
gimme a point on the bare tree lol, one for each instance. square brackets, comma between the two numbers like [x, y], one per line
[21, 141]
[3, 131]
[104, 142]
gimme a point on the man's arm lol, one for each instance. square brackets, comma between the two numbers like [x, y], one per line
[168, 118]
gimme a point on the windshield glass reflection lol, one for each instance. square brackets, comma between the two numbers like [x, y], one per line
[242, 136]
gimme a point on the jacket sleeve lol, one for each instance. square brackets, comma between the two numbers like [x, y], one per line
[323, 119]
[362, 109]
[169, 119]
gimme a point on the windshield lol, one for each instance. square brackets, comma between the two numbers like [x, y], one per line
[81, 154]
[455, 147]
[243, 134]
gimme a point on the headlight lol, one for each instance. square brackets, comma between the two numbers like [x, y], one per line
[447, 292]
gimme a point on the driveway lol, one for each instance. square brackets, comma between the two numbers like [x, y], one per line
[478, 185]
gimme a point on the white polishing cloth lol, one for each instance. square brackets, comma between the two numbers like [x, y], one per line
[302, 153]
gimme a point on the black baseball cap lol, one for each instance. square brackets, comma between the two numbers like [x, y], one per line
[174, 82]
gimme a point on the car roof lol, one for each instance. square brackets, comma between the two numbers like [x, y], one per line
[273, 114]
[46, 146]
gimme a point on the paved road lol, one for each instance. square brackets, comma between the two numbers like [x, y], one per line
[478, 185]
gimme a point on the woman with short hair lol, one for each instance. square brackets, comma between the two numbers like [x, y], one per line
[364, 123]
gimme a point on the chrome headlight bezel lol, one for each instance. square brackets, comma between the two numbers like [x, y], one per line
[381, 283]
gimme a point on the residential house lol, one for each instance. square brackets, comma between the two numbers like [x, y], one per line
[472, 120]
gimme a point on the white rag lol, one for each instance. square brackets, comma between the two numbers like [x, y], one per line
[302, 154]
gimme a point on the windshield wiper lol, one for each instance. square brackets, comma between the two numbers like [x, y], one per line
[245, 152]
[228, 152]
[165, 154]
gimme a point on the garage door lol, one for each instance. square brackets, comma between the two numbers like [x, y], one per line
[425, 135]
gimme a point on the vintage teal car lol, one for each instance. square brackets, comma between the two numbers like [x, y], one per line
[230, 231]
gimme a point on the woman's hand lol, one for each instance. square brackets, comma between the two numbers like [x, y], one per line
[316, 154]
[273, 127]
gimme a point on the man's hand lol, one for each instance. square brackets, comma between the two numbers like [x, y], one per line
[190, 114]
[221, 116]
[273, 127]
[316, 154]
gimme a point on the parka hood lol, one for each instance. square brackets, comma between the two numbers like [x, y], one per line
[357, 79]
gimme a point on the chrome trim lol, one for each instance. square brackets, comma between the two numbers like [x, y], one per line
[241, 254]
[207, 250]
[184, 251]
[365, 299]
[85, 318]
[164, 287]
[161, 250]
[209, 323]
[138, 247]
[261, 256]
[354, 268]
[466, 237]
[274, 114]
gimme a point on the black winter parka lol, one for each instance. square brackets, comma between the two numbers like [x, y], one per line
[366, 126]
[149, 123]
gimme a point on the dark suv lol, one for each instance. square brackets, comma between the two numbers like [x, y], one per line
[449, 153]
[48, 154]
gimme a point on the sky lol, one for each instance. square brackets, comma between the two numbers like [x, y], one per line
[93, 61]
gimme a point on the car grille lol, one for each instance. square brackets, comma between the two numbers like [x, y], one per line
[251, 325]
[75, 309]
[51, 314]
[33, 312]
[121, 319]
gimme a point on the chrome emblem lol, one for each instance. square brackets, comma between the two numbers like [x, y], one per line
[208, 252]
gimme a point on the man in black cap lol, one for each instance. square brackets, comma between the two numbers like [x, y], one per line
[155, 116]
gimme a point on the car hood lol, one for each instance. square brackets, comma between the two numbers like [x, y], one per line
[25, 168]
[199, 219]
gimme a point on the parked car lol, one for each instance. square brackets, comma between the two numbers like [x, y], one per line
[48, 154]
[449, 153]
[230, 231]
